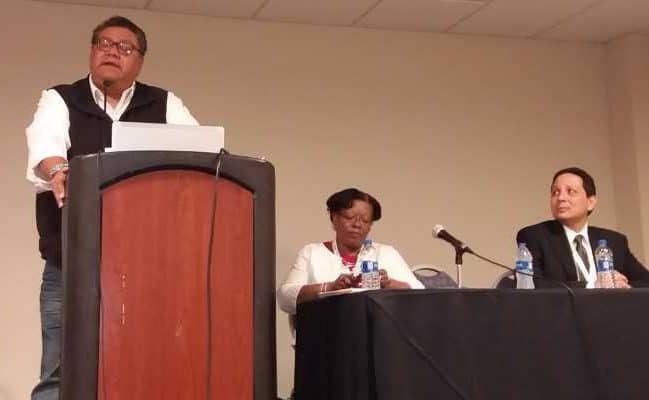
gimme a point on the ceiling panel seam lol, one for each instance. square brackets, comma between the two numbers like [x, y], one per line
[366, 12]
[466, 17]
[255, 14]
[565, 19]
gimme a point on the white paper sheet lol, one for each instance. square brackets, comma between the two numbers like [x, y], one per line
[133, 136]
[343, 291]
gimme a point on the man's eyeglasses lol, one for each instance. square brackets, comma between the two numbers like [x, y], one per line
[124, 48]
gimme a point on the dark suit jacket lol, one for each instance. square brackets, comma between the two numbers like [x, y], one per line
[553, 255]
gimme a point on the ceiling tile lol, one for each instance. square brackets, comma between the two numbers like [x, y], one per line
[418, 15]
[322, 12]
[606, 21]
[215, 8]
[520, 18]
[581, 20]
[104, 3]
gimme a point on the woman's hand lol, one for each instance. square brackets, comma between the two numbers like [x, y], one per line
[385, 279]
[389, 283]
[311, 291]
[620, 280]
[343, 281]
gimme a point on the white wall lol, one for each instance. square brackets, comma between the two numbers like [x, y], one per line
[458, 130]
[628, 83]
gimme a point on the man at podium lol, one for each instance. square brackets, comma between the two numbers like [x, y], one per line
[76, 119]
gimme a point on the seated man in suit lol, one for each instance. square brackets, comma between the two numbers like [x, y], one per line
[563, 248]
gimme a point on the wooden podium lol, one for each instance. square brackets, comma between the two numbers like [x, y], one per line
[169, 277]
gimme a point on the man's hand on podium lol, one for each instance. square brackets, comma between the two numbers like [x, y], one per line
[55, 171]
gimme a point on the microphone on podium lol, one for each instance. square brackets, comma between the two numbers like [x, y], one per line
[104, 88]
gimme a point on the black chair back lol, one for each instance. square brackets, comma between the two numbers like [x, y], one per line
[433, 278]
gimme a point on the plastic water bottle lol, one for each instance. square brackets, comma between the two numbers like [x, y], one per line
[524, 268]
[370, 277]
[376, 275]
[367, 275]
[604, 265]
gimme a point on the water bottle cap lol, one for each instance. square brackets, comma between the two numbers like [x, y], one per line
[601, 242]
[522, 244]
[367, 242]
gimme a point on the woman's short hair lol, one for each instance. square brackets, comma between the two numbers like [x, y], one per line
[345, 199]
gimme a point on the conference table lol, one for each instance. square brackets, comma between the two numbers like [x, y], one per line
[451, 344]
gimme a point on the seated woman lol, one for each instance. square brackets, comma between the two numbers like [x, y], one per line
[321, 267]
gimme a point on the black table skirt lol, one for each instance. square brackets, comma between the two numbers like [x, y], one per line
[474, 344]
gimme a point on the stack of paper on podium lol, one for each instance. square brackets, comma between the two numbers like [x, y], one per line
[137, 136]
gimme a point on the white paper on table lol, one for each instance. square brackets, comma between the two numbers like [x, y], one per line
[134, 136]
[342, 291]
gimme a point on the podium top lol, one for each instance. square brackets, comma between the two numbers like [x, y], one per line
[134, 136]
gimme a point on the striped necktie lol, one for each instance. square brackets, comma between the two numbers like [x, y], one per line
[579, 246]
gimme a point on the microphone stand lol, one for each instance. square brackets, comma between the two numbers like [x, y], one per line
[459, 252]
[104, 89]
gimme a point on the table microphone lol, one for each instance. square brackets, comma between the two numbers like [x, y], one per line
[441, 233]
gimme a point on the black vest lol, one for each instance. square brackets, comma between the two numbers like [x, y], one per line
[90, 132]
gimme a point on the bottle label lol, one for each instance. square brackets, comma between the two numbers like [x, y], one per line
[523, 265]
[366, 266]
[604, 265]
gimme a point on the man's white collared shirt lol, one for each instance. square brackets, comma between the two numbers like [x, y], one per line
[113, 112]
[48, 135]
[589, 273]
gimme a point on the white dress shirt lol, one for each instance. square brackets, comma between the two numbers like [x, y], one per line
[316, 264]
[589, 273]
[48, 135]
